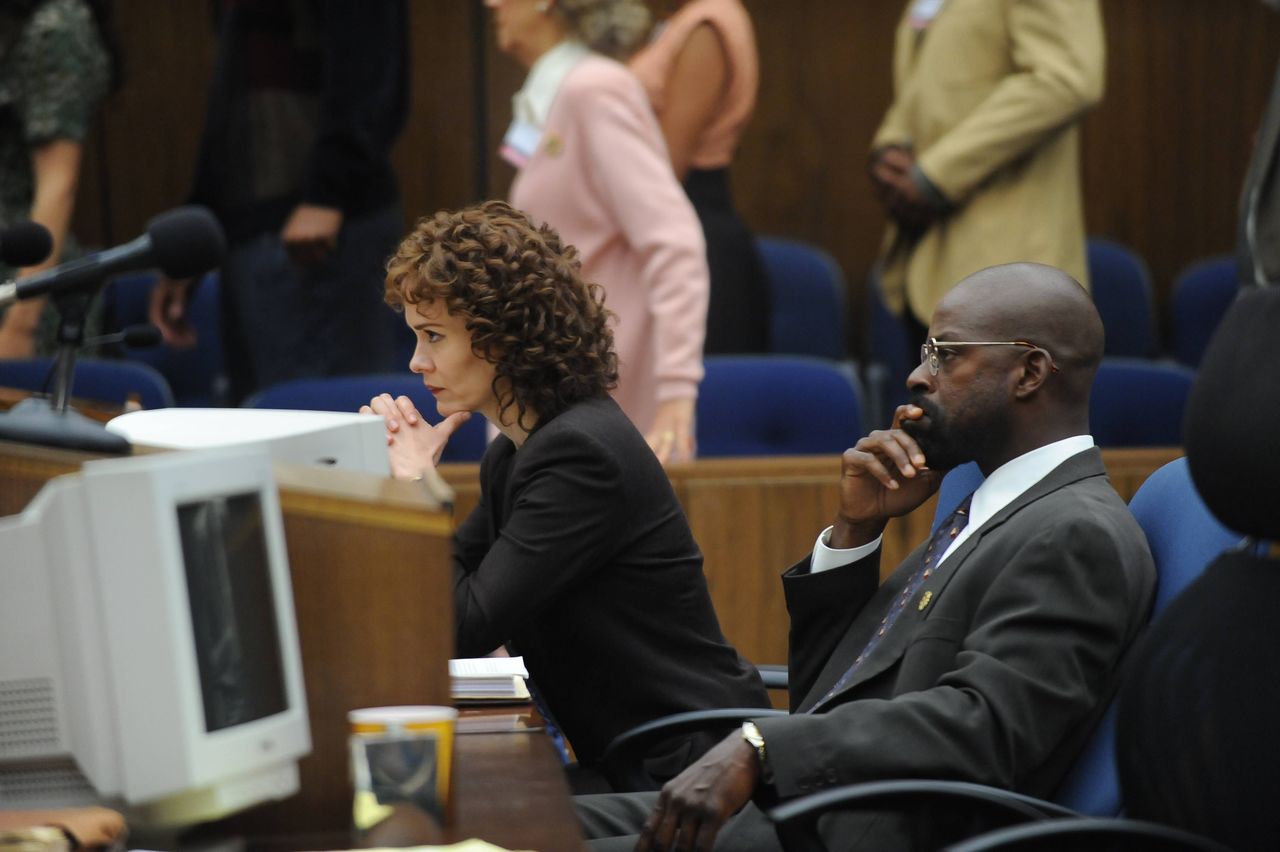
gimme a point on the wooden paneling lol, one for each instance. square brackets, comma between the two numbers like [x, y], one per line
[1165, 154]
[141, 156]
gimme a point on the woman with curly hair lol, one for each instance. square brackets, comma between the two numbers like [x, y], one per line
[592, 163]
[578, 555]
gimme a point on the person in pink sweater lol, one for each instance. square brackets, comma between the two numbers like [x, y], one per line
[593, 164]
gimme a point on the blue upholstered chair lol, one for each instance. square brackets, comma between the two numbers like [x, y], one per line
[751, 405]
[1139, 403]
[806, 290]
[348, 393]
[1122, 292]
[111, 382]
[196, 375]
[1201, 295]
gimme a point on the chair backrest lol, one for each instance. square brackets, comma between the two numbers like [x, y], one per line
[1122, 293]
[806, 289]
[1201, 295]
[196, 375]
[1139, 403]
[1184, 538]
[112, 382]
[348, 393]
[752, 405]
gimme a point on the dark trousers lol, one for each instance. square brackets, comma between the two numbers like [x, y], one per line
[612, 823]
[281, 321]
[738, 314]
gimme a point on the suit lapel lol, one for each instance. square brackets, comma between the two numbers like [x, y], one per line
[891, 649]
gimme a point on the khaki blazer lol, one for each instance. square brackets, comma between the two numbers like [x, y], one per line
[990, 99]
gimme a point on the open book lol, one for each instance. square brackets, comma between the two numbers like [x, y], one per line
[490, 679]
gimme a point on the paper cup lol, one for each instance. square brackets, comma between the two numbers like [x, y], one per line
[400, 756]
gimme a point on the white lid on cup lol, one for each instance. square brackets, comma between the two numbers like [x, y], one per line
[404, 717]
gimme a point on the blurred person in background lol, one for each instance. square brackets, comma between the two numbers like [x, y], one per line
[306, 100]
[55, 69]
[592, 163]
[701, 72]
[977, 160]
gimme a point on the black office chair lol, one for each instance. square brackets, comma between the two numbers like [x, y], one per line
[1196, 746]
[1088, 835]
[623, 761]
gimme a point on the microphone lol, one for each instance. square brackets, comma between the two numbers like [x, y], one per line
[137, 336]
[182, 243]
[25, 244]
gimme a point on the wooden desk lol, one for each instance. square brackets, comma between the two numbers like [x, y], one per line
[509, 789]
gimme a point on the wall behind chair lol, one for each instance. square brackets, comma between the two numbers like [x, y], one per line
[1164, 156]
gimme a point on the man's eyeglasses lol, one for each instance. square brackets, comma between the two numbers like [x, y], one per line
[929, 351]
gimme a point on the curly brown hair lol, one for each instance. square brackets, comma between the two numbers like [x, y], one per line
[527, 308]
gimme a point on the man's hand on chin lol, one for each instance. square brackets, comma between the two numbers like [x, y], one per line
[695, 804]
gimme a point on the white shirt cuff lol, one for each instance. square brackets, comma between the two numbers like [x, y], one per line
[825, 558]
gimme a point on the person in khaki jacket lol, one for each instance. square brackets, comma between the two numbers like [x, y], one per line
[977, 159]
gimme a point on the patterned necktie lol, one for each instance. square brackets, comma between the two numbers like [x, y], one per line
[937, 547]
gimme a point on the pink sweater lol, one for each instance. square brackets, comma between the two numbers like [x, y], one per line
[601, 177]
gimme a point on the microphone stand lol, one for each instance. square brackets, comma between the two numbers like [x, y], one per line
[53, 422]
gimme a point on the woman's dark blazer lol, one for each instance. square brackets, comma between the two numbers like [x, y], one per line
[579, 557]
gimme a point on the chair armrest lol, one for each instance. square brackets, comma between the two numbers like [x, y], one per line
[797, 820]
[1088, 833]
[774, 677]
[623, 760]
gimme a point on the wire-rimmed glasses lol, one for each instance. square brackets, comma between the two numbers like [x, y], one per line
[929, 350]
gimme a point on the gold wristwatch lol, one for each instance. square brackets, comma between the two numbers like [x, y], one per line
[752, 735]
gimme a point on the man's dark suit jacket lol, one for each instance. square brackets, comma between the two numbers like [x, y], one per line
[580, 558]
[996, 679]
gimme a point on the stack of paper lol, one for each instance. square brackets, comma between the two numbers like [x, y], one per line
[489, 679]
[486, 720]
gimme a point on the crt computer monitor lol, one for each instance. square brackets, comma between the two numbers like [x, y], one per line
[148, 647]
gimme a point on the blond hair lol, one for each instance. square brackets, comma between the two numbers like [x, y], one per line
[615, 28]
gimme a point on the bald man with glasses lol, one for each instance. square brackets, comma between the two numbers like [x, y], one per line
[989, 652]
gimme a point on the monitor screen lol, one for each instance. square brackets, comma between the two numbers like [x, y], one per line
[152, 595]
[233, 610]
